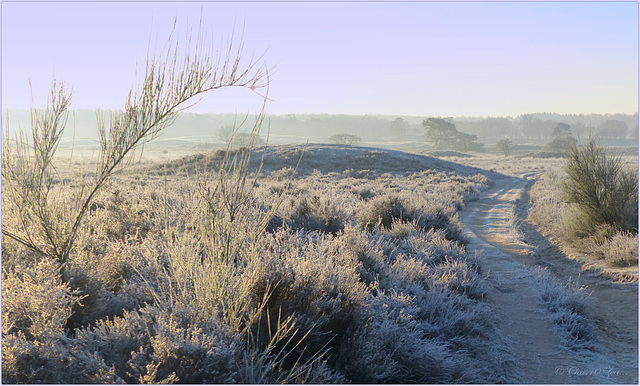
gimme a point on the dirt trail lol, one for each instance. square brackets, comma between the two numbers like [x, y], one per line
[509, 263]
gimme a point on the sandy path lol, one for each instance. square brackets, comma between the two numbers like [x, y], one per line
[535, 340]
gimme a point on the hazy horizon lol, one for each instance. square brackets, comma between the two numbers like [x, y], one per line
[471, 59]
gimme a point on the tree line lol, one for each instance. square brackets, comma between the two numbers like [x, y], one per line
[526, 127]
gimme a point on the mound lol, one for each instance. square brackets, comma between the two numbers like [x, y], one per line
[324, 158]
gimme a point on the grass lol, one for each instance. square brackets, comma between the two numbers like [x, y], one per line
[566, 305]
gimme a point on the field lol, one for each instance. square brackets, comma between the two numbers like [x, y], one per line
[293, 263]
[147, 242]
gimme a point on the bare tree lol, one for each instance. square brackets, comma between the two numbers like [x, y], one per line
[225, 133]
[505, 146]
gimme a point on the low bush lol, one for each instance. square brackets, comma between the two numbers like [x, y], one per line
[593, 211]
[382, 211]
[603, 190]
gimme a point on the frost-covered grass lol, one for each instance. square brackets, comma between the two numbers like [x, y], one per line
[314, 275]
[566, 305]
[554, 216]
[512, 165]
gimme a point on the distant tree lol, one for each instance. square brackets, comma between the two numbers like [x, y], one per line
[225, 134]
[613, 129]
[526, 125]
[443, 136]
[234, 139]
[440, 132]
[563, 139]
[493, 128]
[562, 130]
[530, 126]
[344, 139]
[505, 146]
[467, 142]
[245, 139]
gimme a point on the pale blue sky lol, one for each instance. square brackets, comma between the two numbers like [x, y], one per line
[409, 58]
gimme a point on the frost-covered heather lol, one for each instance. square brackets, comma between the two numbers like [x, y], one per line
[324, 276]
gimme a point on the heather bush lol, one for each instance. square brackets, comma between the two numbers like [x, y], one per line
[312, 279]
[382, 211]
[548, 208]
[24, 361]
[385, 210]
[35, 301]
[396, 351]
[36, 305]
[316, 213]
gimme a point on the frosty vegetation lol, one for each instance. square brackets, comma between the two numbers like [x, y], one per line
[223, 276]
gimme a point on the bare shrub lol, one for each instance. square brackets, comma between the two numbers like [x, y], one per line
[505, 146]
[568, 224]
[172, 80]
[344, 139]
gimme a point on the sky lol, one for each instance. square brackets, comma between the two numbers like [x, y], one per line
[391, 58]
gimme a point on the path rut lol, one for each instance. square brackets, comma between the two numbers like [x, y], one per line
[510, 263]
